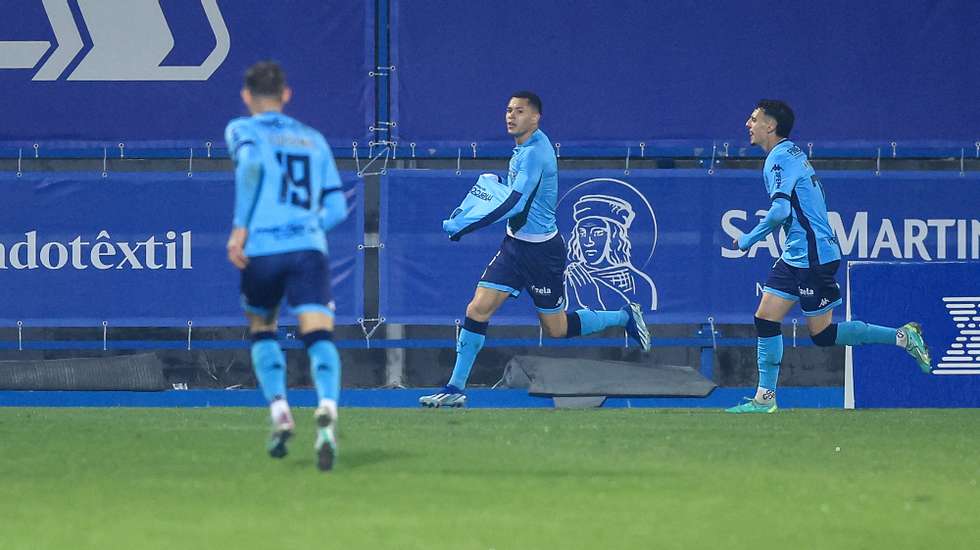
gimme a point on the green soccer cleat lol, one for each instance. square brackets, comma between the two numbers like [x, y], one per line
[916, 346]
[752, 406]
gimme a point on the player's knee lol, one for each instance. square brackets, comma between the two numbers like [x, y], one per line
[261, 324]
[313, 337]
[765, 328]
[478, 312]
[262, 335]
[826, 337]
[554, 331]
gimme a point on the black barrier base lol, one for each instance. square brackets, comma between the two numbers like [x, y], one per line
[142, 372]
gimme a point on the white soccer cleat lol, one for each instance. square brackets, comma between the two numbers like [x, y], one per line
[282, 429]
[636, 327]
[450, 396]
[326, 438]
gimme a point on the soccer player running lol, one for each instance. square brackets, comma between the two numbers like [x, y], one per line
[805, 271]
[532, 255]
[287, 197]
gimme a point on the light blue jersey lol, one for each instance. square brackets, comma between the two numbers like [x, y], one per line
[529, 208]
[533, 172]
[810, 240]
[288, 192]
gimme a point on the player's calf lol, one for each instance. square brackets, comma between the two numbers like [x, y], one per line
[856, 333]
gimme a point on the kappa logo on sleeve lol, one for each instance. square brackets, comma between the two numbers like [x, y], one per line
[130, 39]
[778, 171]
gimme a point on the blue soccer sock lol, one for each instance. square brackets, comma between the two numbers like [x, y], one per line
[324, 364]
[855, 333]
[470, 342]
[770, 356]
[594, 321]
[269, 364]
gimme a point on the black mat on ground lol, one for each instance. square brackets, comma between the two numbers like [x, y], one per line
[549, 376]
[142, 372]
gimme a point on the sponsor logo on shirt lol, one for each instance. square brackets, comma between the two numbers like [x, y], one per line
[479, 192]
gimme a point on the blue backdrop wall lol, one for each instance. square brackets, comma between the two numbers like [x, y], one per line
[687, 70]
[163, 74]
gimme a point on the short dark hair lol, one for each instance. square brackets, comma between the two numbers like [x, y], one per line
[265, 78]
[781, 113]
[531, 98]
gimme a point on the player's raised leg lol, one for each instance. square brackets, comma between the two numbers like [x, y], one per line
[856, 333]
[823, 295]
[559, 324]
[544, 270]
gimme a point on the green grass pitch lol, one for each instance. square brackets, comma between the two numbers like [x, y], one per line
[638, 478]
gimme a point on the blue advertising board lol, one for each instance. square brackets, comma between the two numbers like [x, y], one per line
[944, 298]
[167, 74]
[663, 239]
[139, 249]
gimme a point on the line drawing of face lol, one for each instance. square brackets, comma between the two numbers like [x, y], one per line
[600, 237]
[593, 241]
[601, 273]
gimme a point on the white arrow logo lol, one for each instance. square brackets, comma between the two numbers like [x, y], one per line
[963, 355]
[130, 39]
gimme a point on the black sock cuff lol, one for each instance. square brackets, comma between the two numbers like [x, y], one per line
[574, 325]
[265, 335]
[767, 329]
[311, 338]
[476, 326]
[826, 337]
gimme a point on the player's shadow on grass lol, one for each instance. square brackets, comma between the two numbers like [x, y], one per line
[352, 459]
